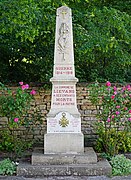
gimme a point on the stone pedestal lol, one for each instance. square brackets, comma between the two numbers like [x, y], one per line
[69, 143]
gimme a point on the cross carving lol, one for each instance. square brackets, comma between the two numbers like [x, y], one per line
[63, 13]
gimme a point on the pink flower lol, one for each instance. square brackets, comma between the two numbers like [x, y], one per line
[108, 84]
[21, 83]
[130, 111]
[129, 118]
[33, 92]
[23, 87]
[128, 87]
[117, 107]
[130, 95]
[16, 119]
[115, 88]
[123, 88]
[113, 96]
[108, 120]
[115, 92]
[27, 86]
[117, 112]
[113, 116]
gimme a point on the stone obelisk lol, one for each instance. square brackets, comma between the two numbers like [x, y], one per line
[63, 144]
[63, 120]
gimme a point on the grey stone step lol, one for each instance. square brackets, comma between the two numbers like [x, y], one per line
[89, 156]
[100, 168]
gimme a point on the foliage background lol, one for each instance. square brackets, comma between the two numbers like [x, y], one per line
[101, 39]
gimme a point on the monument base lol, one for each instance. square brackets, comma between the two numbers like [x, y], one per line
[69, 143]
[83, 164]
[89, 156]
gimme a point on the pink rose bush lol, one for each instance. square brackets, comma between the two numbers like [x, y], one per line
[15, 105]
[113, 105]
[25, 98]
[18, 103]
[116, 102]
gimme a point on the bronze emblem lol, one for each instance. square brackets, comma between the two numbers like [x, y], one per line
[63, 121]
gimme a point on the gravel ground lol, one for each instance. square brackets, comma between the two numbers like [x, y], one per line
[67, 178]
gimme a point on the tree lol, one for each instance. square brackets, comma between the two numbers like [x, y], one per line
[103, 45]
[101, 39]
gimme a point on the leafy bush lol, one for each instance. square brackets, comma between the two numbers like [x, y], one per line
[113, 142]
[15, 106]
[120, 165]
[11, 142]
[114, 117]
[7, 167]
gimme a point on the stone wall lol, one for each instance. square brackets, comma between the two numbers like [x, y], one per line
[42, 105]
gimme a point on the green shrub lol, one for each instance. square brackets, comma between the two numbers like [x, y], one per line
[7, 167]
[14, 144]
[120, 165]
[111, 141]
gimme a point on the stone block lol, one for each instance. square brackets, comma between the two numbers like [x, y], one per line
[42, 107]
[89, 156]
[100, 168]
[87, 111]
[3, 120]
[63, 143]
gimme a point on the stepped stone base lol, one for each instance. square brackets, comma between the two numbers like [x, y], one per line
[89, 156]
[100, 168]
[64, 165]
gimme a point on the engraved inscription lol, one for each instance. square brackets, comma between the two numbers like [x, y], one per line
[63, 95]
[63, 70]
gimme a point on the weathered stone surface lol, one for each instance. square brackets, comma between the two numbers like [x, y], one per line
[42, 107]
[64, 143]
[89, 156]
[3, 120]
[100, 168]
